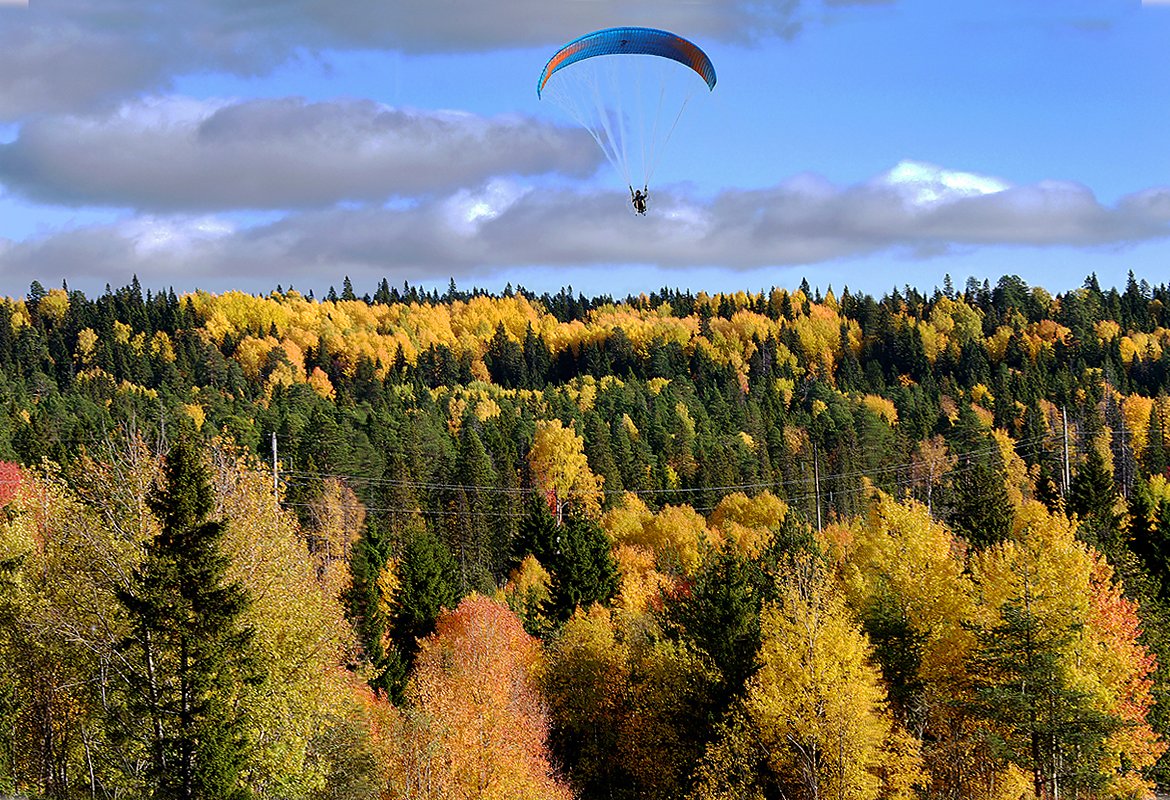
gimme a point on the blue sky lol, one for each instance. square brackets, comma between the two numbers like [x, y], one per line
[245, 144]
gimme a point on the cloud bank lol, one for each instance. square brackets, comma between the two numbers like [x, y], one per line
[174, 154]
[914, 210]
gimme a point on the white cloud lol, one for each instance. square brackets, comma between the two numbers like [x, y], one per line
[926, 184]
[467, 210]
[177, 154]
[171, 238]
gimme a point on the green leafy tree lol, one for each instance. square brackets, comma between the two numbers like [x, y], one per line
[1040, 721]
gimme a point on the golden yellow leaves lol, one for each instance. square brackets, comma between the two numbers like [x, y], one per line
[319, 382]
[81, 539]
[654, 550]
[1107, 330]
[54, 305]
[161, 347]
[353, 330]
[1143, 346]
[956, 321]
[124, 334]
[997, 344]
[335, 521]
[929, 463]
[86, 340]
[902, 555]
[299, 622]
[820, 337]
[816, 700]
[1137, 412]
[642, 584]
[881, 406]
[388, 585]
[235, 313]
[642, 326]
[195, 412]
[1043, 560]
[1016, 476]
[252, 353]
[583, 391]
[747, 523]
[1043, 335]
[1122, 669]
[1069, 590]
[526, 591]
[558, 462]
[677, 536]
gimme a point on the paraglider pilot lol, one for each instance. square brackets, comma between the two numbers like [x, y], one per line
[638, 198]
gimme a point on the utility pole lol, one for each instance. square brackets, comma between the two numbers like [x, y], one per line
[275, 474]
[817, 484]
[1123, 467]
[1067, 478]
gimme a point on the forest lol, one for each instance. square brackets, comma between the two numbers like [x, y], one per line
[418, 545]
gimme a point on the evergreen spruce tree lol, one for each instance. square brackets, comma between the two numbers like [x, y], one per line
[1149, 534]
[600, 454]
[190, 653]
[470, 528]
[582, 569]
[537, 358]
[505, 360]
[1154, 460]
[982, 511]
[721, 618]
[1092, 497]
[361, 599]
[427, 579]
[538, 532]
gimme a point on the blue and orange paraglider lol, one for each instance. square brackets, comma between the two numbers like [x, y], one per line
[628, 87]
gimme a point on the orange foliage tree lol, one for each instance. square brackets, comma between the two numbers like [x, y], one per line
[1124, 668]
[475, 681]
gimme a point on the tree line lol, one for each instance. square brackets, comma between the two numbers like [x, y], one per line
[745, 545]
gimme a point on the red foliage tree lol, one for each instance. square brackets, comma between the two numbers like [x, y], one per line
[11, 476]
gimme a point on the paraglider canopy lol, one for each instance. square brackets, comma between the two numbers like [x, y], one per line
[628, 87]
[630, 41]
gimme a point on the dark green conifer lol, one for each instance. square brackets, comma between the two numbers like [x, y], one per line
[1092, 497]
[982, 511]
[1154, 460]
[470, 530]
[427, 579]
[581, 567]
[721, 618]
[190, 653]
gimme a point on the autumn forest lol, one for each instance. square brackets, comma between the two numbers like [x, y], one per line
[426, 545]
